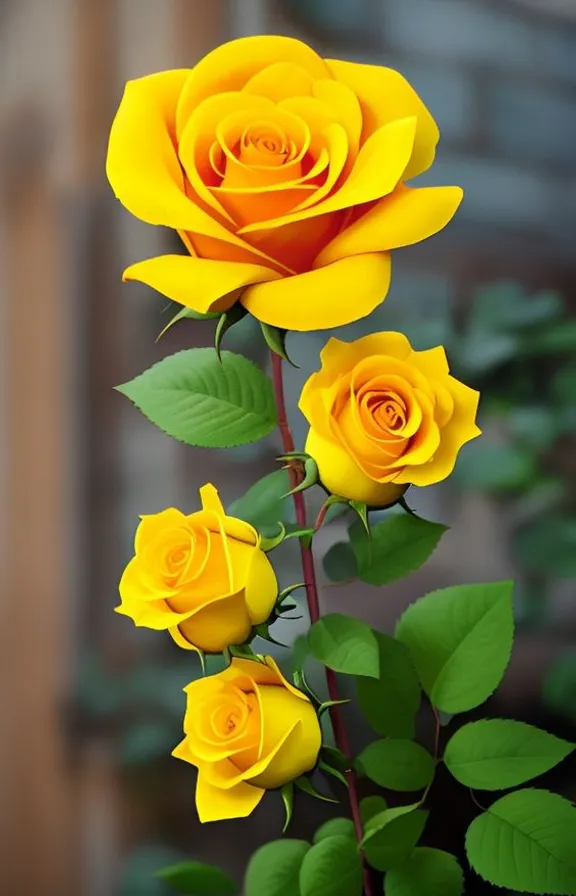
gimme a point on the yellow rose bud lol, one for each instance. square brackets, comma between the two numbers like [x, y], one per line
[203, 577]
[383, 416]
[285, 176]
[247, 730]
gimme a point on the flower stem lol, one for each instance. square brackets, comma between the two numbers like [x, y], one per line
[296, 474]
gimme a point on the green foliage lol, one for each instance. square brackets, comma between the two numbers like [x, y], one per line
[496, 469]
[339, 562]
[371, 806]
[547, 545]
[197, 879]
[274, 869]
[525, 841]
[263, 504]
[426, 872]
[495, 754]
[396, 547]
[460, 640]
[397, 764]
[197, 399]
[345, 644]
[335, 827]
[559, 688]
[390, 702]
[391, 835]
[332, 868]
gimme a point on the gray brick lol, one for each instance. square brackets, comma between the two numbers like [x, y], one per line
[458, 29]
[531, 123]
[556, 52]
[495, 193]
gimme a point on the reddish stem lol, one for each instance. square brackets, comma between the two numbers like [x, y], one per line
[296, 474]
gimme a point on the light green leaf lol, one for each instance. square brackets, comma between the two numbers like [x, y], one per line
[525, 841]
[345, 644]
[197, 879]
[426, 872]
[274, 869]
[397, 546]
[460, 640]
[390, 702]
[343, 827]
[262, 504]
[340, 563]
[197, 399]
[371, 806]
[397, 764]
[332, 867]
[391, 835]
[494, 754]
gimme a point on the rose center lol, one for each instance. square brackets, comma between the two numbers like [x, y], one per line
[232, 715]
[389, 413]
[265, 145]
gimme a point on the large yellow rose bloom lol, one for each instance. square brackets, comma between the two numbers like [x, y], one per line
[284, 174]
[383, 416]
[247, 730]
[202, 577]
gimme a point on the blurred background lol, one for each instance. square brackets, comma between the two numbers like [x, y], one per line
[90, 802]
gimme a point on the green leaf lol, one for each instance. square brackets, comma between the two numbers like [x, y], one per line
[494, 754]
[197, 879]
[345, 644]
[460, 640]
[194, 398]
[426, 872]
[397, 764]
[335, 827]
[305, 784]
[390, 702]
[397, 546]
[339, 562]
[274, 869]
[371, 806]
[525, 841]
[262, 504]
[391, 835]
[332, 867]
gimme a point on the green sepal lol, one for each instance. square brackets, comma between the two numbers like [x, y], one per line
[187, 314]
[283, 603]
[402, 503]
[263, 631]
[328, 703]
[362, 511]
[303, 783]
[202, 659]
[227, 320]
[269, 543]
[244, 651]
[302, 685]
[335, 772]
[286, 592]
[293, 455]
[276, 341]
[287, 794]
[336, 758]
[306, 536]
[310, 477]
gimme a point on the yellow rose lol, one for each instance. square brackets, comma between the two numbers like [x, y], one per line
[203, 577]
[284, 174]
[247, 730]
[383, 416]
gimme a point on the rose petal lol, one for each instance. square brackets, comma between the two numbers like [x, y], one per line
[280, 81]
[220, 622]
[198, 283]
[215, 804]
[328, 297]
[380, 165]
[385, 95]
[405, 217]
[231, 65]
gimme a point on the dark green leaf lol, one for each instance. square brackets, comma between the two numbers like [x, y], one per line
[391, 835]
[494, 754]
[460, 640]
[397, 764]
[194, 398]
[547, 546]
[274, 869]
[332, 867]
[335, 827]
[371, 806]
[426, 872]
[390, 702]
[552, 339]
[559, 688]
[397, 546]
[339, 562]
[345, 644]
[262, 505]
[525, 841]
[197, 879]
